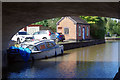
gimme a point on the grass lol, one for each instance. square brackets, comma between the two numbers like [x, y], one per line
[113, 37]
[118, 37]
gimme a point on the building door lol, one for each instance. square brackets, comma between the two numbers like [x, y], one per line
[83, 33]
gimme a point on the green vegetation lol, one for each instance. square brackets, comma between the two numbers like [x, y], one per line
[118, 36]
[49, 23]
[99, 26]
[44, 23]
[90, 19]
[112, 27]
[52, 23]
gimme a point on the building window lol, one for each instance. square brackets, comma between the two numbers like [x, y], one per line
[87, 30]
[79, 31]
[66, 30]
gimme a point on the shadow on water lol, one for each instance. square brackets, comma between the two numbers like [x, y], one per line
[61, 69]
[17, 67]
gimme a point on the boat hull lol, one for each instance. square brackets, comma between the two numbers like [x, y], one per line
[38, 55]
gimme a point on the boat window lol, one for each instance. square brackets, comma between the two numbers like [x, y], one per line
[52, 44]
[49, 44]
[35, 48]
[42, 46]
[31, 47]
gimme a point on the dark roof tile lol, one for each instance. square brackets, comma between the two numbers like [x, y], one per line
[78, 19]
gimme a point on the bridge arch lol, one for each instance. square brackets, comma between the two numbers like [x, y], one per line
[16, 16]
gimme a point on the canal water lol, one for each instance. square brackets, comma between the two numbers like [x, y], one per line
[98, 61]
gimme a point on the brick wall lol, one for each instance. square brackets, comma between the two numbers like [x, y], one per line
[67, 23]
[81, 37]
[73, 30]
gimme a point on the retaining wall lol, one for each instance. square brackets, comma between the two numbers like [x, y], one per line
[73, 45]
[112, 39]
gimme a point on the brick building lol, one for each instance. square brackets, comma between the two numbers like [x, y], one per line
[74, 28]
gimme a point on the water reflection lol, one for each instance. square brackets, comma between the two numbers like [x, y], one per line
[99, 61]
[67, 69]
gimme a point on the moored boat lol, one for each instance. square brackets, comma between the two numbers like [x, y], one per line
[35, 50]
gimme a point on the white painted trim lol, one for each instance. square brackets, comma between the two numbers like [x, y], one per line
[72, 20]
[60, 21]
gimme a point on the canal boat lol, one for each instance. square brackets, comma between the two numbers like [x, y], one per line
[36, 50]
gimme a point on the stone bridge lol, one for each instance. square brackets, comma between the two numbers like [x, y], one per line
[16, 16]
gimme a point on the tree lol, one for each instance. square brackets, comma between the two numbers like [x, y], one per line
[113, 27]
[90, 19]
[97, 26]
[52, 23]
[44, 23]
[49, 23]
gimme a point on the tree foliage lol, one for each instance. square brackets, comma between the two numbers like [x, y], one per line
[52, 23]
[90, 19]
[97, 26]
[49, 23]
[44, 23]
[112, 27]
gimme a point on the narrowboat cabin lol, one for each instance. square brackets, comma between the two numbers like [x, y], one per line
[35, 50]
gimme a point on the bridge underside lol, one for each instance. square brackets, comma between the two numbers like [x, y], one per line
[18, 15]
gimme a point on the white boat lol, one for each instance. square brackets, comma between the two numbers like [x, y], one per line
[39, 50]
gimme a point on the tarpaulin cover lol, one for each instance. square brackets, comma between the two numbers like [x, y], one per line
[24, 52]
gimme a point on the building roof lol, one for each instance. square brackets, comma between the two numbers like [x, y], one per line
[75, 19]
[78, 19]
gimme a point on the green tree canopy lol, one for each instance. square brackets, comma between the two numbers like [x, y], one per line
[112, 26]
[49, 23]
[44, 23]
[97, 26]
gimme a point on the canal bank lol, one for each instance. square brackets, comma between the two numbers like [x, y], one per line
[80, 44]
[112, 38]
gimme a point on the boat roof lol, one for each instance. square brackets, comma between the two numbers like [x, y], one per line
[36, 42]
